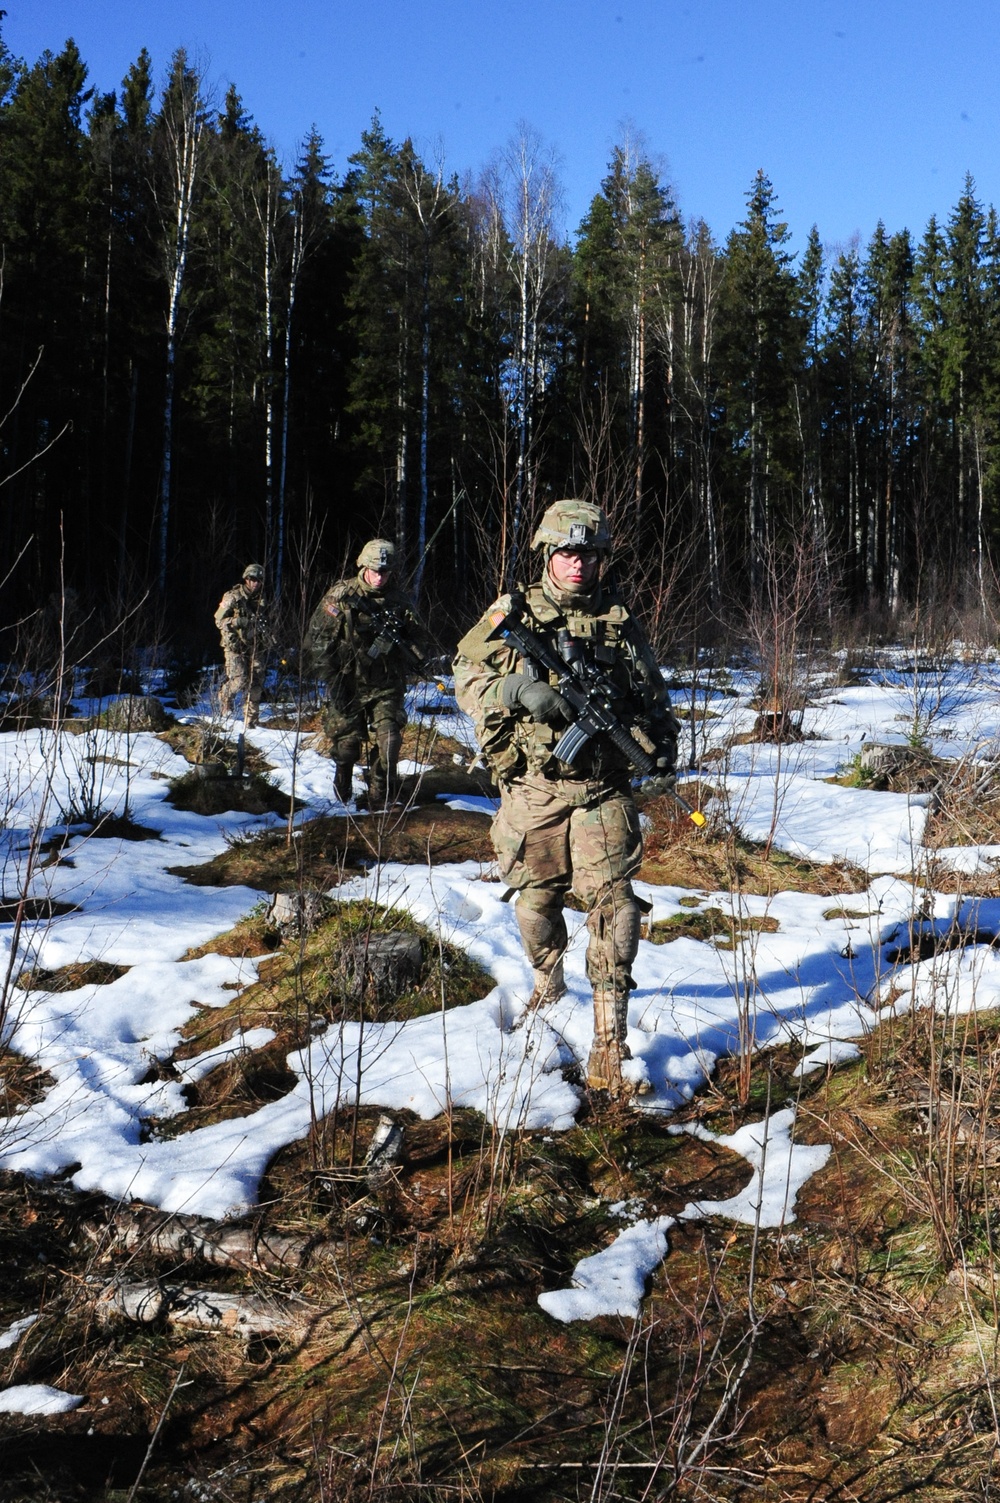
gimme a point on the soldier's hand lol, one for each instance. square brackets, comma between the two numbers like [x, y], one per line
[664, 778]
[536, 698]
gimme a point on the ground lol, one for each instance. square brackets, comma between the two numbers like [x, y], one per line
[774, 1280]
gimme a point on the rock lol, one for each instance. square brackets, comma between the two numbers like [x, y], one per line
[135, 712]
[295, 914]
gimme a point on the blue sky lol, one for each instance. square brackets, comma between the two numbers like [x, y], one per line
[856, 109]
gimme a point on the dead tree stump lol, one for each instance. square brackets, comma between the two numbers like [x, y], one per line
[383, 964]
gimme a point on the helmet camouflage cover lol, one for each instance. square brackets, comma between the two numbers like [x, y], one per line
[573, 524]
[379, 554]
[253, 571]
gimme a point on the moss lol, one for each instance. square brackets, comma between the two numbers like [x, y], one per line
[711, 924]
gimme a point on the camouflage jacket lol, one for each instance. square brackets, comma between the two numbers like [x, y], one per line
[242, 619]
[514, 744]
[350, 637]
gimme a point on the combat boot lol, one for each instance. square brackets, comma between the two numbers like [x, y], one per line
[343, 780]
[604, 1066]
[604, 1069]
[549, 986]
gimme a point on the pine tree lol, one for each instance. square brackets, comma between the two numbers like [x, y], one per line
[886, 279]
[43, 229]
[627, 285]
[408, 320]
[759, 354]
[527, 267]
[317, 249]
[846, 364]
[812, 279]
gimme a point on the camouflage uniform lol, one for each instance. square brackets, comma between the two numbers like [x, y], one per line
[366, 686]
[558, 827]
[246, 634]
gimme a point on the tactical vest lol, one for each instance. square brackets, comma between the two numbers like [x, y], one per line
[610, 640]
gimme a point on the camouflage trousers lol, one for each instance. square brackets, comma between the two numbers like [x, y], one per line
[351, 719]
[553, 836]
[244, 675]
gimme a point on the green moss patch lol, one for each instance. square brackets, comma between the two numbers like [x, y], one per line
[710, 924]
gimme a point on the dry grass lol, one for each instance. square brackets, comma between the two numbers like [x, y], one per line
[716, 859]
[333, 847]
[429, 1372]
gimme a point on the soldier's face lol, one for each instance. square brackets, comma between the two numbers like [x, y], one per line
[252, 584]
[376, 578]
[574, 568]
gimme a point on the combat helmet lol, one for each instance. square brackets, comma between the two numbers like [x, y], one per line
[572, 523]
[378, 554]
[254, 571]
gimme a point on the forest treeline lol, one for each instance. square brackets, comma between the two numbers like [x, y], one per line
[205, 359]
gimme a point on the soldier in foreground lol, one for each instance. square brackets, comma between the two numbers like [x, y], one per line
[570, 825]
[246, 634]
[364, 640]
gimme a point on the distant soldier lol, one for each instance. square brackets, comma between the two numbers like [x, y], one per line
[246, 634]
[561, 827]
[364, 640]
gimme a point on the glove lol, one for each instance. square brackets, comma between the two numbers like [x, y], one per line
[537, 698]
[663, 778]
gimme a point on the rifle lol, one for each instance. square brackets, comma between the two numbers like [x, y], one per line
[586, 690]
[390, 632]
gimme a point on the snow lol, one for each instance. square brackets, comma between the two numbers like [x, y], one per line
[781, 1167]
[14, 1332]
[37, 1398]
[820, 980]
[612, 1282]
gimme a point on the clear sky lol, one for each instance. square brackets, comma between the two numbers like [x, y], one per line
[856, 109]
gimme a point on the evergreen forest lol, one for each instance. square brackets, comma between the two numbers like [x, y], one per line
[206, 358]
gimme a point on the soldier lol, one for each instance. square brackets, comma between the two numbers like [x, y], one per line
[558, 826]
[246, 636]
[364, 640]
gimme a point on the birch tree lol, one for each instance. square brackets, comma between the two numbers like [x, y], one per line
[178, 158]
[523, 196]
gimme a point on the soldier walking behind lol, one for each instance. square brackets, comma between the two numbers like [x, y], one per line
[364, 640]
[242, 619]
[559, 826]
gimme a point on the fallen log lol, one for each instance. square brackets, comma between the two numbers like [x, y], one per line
[190, 1238]
[246, 1315]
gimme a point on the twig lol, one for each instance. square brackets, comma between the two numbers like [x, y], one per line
[156, 1434]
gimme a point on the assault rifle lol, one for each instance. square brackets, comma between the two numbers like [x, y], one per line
[391, 632]
[586, 690]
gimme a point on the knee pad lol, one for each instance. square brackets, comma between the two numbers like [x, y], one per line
[543, 933]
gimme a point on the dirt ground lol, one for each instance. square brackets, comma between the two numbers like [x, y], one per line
[851, 1355]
